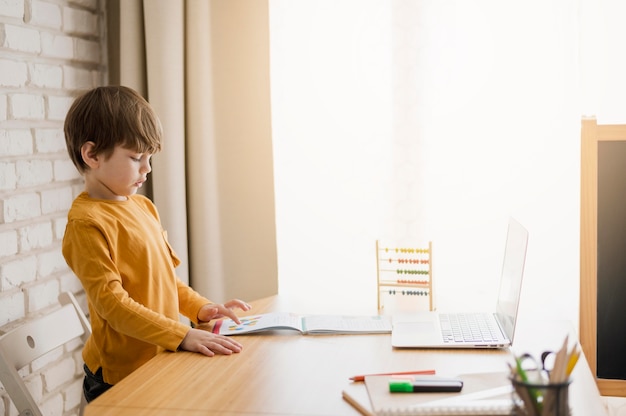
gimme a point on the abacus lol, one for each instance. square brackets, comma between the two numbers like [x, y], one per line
[405, 280]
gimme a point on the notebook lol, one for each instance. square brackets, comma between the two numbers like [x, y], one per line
[433, 329]
[483, 394]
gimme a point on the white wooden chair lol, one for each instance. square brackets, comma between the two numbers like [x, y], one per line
[20, 346]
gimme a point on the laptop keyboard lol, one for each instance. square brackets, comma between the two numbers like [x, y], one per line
[468, 327]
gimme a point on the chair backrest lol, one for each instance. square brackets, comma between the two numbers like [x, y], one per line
[22, 345]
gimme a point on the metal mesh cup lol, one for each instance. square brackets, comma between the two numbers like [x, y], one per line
[540, 399]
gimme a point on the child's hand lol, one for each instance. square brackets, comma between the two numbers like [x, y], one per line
[215, 310]
[208, 343]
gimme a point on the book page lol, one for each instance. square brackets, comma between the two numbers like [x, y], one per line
[257, 323]
[346, 324]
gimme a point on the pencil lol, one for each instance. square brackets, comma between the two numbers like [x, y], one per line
[397, 373]
[346, 396]
[573, 358]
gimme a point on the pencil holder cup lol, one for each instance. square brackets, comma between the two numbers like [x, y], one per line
[540, 398]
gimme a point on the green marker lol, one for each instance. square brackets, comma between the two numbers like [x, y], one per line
[425, 385]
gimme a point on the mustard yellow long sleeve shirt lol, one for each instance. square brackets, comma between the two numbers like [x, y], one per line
[120, 253]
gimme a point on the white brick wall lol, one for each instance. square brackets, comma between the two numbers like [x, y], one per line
[49, 51]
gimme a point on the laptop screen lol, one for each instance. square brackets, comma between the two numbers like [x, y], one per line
[511, 279]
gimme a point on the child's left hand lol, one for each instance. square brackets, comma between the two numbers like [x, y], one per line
[215, 310]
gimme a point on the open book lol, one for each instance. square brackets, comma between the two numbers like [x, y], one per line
[312, 324]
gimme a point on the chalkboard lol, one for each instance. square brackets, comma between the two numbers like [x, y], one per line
[603, 254]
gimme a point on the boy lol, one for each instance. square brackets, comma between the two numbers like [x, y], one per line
[116, 246]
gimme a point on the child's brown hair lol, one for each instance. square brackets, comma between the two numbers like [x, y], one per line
[111, 116]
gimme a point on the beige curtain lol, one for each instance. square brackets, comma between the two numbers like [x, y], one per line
[204, 66]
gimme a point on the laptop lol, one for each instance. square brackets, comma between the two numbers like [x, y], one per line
[434, 329]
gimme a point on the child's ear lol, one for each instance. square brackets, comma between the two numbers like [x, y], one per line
[89, 156]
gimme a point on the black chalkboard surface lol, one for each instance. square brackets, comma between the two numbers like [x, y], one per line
[611, 271]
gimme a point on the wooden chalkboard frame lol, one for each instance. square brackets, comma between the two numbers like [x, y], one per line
[591, 135]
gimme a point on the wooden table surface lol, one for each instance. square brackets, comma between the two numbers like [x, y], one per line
[285, 373]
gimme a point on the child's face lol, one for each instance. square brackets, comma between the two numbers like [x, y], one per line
[119, 176]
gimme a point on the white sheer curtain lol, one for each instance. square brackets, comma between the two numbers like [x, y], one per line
[427, 120]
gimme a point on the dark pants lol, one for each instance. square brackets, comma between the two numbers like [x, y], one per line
[93, 384]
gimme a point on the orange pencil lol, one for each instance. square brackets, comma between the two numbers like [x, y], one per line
[397, 373]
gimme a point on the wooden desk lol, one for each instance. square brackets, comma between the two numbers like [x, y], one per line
[290, 374]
